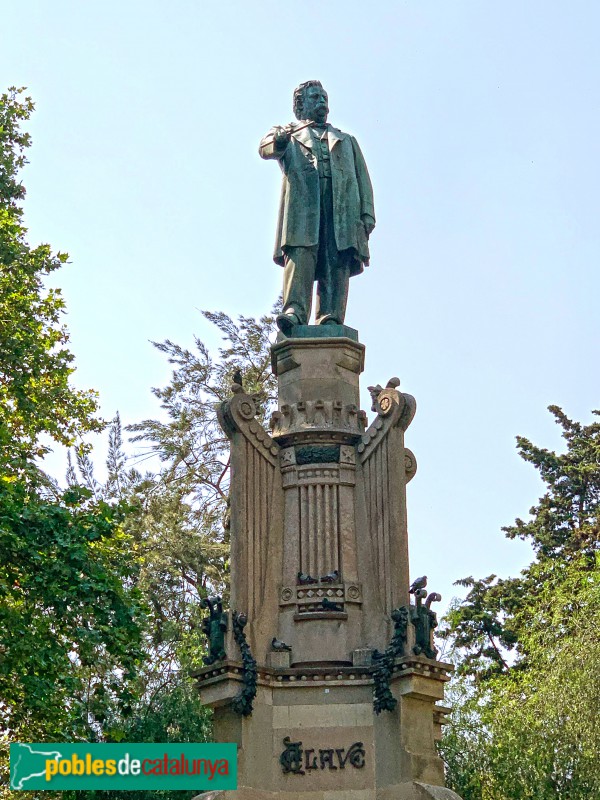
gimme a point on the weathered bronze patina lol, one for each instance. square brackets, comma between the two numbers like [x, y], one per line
[214, 627]
[383, 699]
[425, 622]
[243, 703]
[326, 213]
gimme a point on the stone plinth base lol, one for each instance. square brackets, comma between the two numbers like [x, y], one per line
[314, 735]
[318, 386]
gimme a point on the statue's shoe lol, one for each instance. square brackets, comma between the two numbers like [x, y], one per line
[286, 321]
[328, 319]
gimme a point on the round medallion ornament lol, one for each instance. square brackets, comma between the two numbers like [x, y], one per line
[286, 594]
[410, 464]
[353, 592]
[246, 409]
[385, 402]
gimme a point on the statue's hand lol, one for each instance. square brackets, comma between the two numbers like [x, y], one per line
[369, 223]
[281, 137]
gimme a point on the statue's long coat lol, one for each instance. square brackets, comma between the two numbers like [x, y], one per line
[299, 211]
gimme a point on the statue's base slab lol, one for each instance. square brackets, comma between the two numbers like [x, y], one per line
[328, 331]
[414, 790]
[314, 734]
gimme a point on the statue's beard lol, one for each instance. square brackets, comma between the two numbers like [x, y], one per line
[319, 115]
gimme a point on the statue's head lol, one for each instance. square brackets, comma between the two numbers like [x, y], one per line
[310, 101]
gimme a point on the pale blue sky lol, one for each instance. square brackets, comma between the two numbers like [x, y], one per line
[479, 122]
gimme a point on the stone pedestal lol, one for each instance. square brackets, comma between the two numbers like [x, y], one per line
[319, 570]
[314, 735]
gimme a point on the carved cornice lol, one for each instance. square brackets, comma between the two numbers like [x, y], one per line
[350, 354]
[324, 675]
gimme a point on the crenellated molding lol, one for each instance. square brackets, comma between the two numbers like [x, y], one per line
[320, 415]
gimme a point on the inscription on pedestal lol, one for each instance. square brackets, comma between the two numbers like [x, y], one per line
[297, 760]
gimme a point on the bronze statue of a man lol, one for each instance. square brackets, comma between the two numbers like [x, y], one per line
[326, 212]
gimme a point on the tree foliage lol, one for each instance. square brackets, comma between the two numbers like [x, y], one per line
[69, 632]
[184, 507]
[527, 720]
[564, 528]
[101, 583]
[177, 518]
[36, 396]
[181, 524]
[190, 443]
[70, 614]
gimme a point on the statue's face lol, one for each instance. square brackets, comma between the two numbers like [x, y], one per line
[315, 104]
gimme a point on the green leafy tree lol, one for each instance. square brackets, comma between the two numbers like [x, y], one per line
[182, 521]
[178, 520]
[533, 732]
[564, 527]
[36, 396]
[69, 630]
[70, 615]
[184, 507]
[527, 719]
